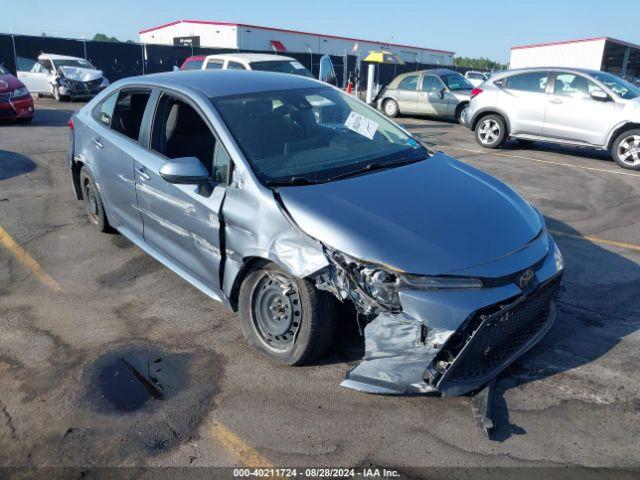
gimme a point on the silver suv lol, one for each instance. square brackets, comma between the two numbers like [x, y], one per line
[560, 105]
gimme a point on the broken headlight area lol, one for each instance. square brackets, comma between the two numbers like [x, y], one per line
[374, 288]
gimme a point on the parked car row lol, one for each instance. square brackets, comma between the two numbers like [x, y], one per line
[576, 107]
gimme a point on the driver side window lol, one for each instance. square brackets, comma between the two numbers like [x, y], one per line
[430, 83]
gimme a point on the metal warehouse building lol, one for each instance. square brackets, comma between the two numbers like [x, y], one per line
[602, 53]
[240, 36]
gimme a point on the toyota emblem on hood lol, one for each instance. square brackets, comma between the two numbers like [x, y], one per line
[525, 279]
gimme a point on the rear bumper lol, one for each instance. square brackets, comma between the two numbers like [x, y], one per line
[17, 108]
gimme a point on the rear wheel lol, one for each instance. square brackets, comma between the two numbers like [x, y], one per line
[491, 131]
[390, 108]
[626, 149]
[284, 317]
[93, 202]
[461, 110]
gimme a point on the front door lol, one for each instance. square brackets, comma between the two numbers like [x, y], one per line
[572, 114]
[182, 221]
[36, 80]
[433, 97]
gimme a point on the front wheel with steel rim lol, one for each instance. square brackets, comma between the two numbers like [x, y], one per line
[626, 149]
[491, 131]
[390, 108]
[93, 202]
[285, 317]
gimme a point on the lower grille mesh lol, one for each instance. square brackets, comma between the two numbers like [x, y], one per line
[501, 335]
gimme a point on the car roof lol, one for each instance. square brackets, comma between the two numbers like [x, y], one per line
[585, 71]
[54, 56]
[222, 83]
[432, 71]
[251, 57]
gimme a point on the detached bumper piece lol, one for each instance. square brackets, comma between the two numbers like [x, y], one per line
[492, 339]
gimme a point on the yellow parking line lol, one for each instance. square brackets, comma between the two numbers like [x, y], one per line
[248, 455]
[604, 241]
[27, 260]
[615, 172]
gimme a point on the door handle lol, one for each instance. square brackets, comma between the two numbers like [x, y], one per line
[98, 143]
[143, 174]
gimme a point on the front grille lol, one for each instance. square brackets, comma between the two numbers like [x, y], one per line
[86, 87]
[494, 337]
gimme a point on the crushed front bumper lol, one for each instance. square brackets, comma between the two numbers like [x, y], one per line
[75, 89]
[454, 342]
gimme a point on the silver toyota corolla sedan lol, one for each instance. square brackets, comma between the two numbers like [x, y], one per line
[440, 92]
[280, 196]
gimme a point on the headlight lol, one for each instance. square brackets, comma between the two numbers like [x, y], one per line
[20, 92]
[383, 285]
[104, 83]
[559, 259]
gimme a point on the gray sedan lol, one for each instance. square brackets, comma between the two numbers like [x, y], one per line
[281, 196]
[440, 92]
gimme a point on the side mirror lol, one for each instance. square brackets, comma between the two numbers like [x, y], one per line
[600, 95]
[185, 170]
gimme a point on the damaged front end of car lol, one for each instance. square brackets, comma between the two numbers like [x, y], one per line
[75, 82]
[449, 334]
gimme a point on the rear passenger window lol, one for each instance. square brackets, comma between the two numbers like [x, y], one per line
[235, 66]
[128, 112]
[214, 65]
[409, 83]
[528, 82]
[104, 112]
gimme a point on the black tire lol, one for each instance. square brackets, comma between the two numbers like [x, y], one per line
[316, 313]
[491, 131]
[625, 150]
[459, 111]
[390, 108]
[93, 202]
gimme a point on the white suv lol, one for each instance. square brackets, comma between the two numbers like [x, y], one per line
[255, 61]
[561, 105]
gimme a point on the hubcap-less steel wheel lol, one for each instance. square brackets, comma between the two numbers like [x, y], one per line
[629, 150]
[276, 311]
[91, 201]
[390, 108]
[489, 131]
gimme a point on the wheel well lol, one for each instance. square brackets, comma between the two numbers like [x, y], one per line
[459, 108]
[619, 130]
[481, 115]
[248, 264]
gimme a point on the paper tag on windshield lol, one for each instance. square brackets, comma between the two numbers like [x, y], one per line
[297, 65]
[361, 125]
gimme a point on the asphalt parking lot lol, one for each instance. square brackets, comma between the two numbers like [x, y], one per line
[74, 302]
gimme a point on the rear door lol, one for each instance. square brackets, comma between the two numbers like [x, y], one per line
[524, 98]
[572, 114]
[407, 93]
[114, 144]
[183, 221]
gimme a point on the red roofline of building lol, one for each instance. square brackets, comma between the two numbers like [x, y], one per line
[594, 39]
[205, 22]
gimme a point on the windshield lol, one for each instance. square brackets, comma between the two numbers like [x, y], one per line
[313, 135]
[282, 66]
[3, 71]
[79, 63]
[455, 81]
[617, 85]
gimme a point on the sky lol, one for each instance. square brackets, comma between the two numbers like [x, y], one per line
[477, 28]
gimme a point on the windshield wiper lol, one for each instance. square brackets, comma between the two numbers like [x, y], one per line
[295, 180]
[372, 166]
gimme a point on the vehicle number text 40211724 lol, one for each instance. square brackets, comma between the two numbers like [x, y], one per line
[319, 472]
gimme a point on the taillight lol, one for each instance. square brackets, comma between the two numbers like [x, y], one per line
[476, 91]
[70, 123]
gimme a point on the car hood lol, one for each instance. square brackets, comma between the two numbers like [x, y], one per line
[9, 83]
[81, 74]
[433, 217]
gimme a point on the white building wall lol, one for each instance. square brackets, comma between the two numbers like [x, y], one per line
[581, 54]
[257, 38]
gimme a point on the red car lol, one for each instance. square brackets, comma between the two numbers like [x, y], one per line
[15, 100]
[193, 63]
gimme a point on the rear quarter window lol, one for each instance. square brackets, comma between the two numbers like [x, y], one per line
[528, 82]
